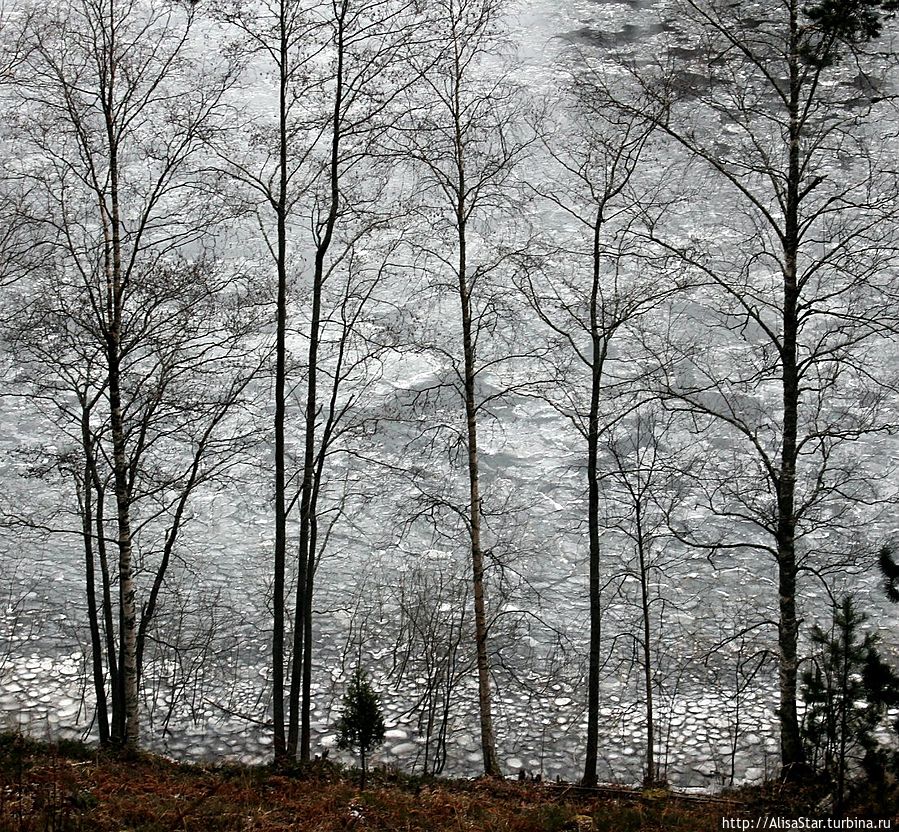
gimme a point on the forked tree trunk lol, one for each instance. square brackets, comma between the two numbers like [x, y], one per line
[301, 676]
[117, 723]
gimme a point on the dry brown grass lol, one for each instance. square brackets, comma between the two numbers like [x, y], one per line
[76, 789]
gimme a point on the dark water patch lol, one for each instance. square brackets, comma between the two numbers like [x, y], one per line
[629, 34]
[634, 4]
[867, 84]
[694, 84]
[588, 34]
[686, 53]
[857, 103]
[723, 151]
[633, 34]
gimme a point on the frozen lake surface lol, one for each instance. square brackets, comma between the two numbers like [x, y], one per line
[715, 721]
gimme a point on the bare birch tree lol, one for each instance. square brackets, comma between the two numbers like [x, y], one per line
[339, 69]
[428, 651]
[797, 259]
[111, 105]
[278, 33]
[465, 140]
[597, 282]
[641, 489]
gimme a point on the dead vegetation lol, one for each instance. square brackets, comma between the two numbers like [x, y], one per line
[70, 787]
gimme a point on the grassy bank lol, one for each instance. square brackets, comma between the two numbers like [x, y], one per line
[70, 787]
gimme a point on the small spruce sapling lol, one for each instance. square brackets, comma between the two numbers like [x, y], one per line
[890, 571]
[360, 727]
[879, 677]
[846, 691]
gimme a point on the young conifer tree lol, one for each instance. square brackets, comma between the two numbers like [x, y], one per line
[360, 727]
[846, 690]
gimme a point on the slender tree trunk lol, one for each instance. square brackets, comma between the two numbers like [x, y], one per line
[595, 601]
[87, 529]
[127, 585]
[302, 673]
[117, 731]
[792, 755]
[738, 703]
[488, 742]
[299, 641]
[306, 714]
[301, 677]
[650, 778]
[115, 292]
[280, 555]
[844, 714]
